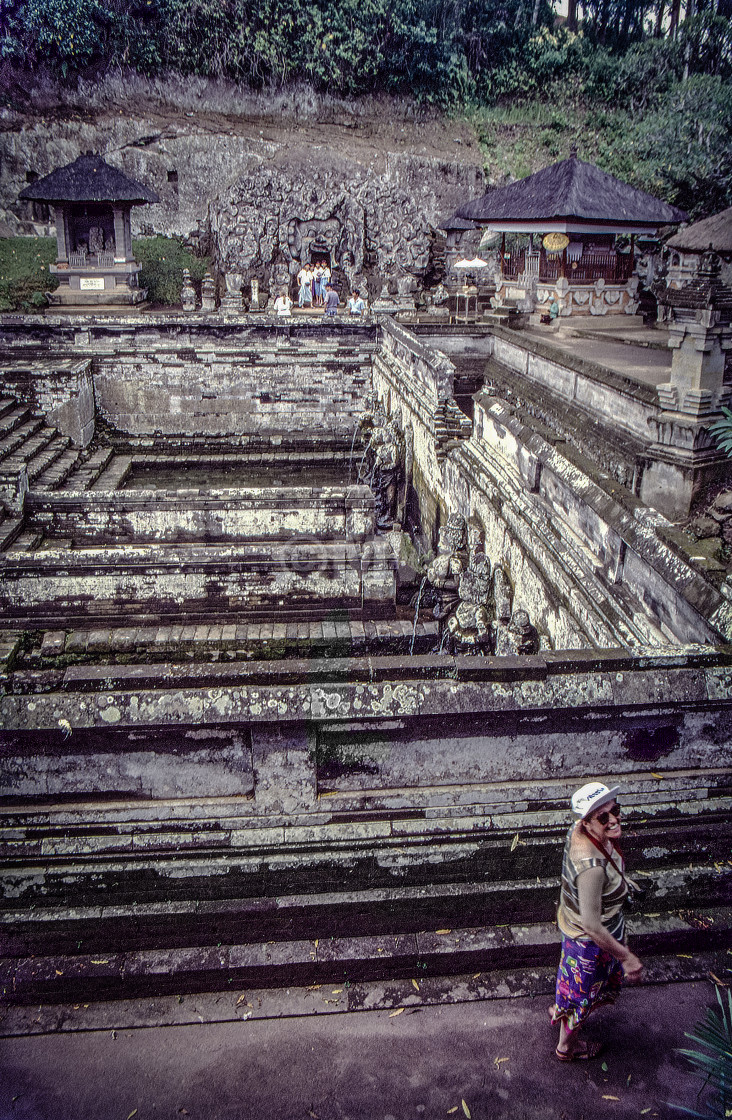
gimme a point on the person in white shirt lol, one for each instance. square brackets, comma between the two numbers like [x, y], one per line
[283, 304]
[356, 305]
[304, 283]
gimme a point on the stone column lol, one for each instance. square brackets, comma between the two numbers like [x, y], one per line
[122, 235]
[62, 233]
[683, 455]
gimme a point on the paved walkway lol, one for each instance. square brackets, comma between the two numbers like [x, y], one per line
[415, 1064]
[627, 346]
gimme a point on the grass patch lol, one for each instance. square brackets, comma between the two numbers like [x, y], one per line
[24, 275]
[163, 260]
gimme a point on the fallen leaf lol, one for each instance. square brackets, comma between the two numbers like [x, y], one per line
[722, 983]
[607, 1097]
[100, 962]
[654, 775]
[644, 1111]
[133, 1113]
[604, 1066]
[242, 999]
[497, 1061]
[466, 1110]
[476, 975]
[685, 956]
[628, 1080]
[514, 842]
[415, 985]
[452, 1110]
[59, 973]
[336, 991]
[397, 1012]
[313, 987]
[313, 1115]
[442, 932]
[315, 943]
[77, 1006]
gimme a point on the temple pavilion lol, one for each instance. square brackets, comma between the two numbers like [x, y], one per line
[92, 203]
[573, 214]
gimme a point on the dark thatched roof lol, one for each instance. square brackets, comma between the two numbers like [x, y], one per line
[454, 222]
[88, 179]
[571, 189]
[715, 231]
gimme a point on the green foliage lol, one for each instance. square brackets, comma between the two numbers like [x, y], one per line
[714, 1062]
[163, 260]
[721, 430]
[24, 275]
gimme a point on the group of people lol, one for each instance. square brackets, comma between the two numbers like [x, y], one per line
[315, 289]
[312, 284]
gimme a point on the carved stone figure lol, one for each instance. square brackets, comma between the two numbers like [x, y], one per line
[469, 625]
[208, 293]
[188, 292]
[518, 637]
[382, 466]
[446, 569]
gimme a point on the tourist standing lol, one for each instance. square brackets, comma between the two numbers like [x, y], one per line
[595, 957]
[331, 300]
[304, 281]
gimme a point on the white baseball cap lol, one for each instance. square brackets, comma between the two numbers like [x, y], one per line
[591, 797]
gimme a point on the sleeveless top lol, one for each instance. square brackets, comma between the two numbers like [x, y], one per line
[614, 891]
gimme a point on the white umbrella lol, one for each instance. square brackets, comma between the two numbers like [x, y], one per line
[475, 263]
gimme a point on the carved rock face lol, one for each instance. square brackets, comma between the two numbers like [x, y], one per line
[363, 225]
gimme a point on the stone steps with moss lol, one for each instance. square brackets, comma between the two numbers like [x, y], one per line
[345, 959]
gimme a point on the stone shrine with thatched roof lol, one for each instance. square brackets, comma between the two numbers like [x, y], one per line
[572, 215]
[92, 202]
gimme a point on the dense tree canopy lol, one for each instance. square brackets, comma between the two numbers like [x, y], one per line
[657, 70]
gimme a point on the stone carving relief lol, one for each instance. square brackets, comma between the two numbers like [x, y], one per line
[473, 601]
[382, 464]
[373, 234]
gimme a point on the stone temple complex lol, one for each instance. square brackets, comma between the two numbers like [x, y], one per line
[310, 627]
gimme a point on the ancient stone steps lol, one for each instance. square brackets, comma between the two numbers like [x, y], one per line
[15, 445]
[336, 637]
[27, 540]
[88, 472]
[113, 473]
[178, 923]
[12, 416]
[338, 960]
[10, 527]
[56, 472]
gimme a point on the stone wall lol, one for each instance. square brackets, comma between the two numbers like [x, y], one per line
[61, 389]
[276, 514]
[590, 567]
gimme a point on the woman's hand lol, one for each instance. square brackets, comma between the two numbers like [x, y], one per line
[632, 968]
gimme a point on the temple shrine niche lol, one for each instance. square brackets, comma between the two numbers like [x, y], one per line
[565, 223]
[92, 202]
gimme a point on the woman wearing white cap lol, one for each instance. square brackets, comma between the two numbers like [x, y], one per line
[590, 918]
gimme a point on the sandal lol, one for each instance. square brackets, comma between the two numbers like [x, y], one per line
[584, 1052]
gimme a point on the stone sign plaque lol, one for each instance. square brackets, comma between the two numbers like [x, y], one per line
[92, 283]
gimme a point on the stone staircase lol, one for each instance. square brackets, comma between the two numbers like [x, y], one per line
[26, 440]
[154, 906]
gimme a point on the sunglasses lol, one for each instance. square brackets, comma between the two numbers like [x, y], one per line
[613, 811]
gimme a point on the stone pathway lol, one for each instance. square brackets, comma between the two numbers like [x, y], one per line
[484, 1059]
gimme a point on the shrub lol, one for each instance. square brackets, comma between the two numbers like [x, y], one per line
[163, 260]
[24, 275]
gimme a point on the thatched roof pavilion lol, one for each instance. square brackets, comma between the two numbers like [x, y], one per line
[570, 197]
[92, 202]
[88, 179]
[714, 233]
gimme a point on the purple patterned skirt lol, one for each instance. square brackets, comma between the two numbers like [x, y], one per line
[587, 977]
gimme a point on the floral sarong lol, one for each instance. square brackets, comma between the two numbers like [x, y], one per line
[588, 976]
